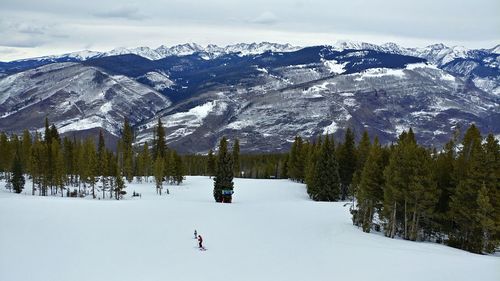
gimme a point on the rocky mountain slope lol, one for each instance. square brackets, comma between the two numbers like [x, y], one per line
[264, 94]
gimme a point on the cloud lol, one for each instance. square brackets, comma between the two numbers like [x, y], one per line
[27, 34]
[125, 12]
[265, 18]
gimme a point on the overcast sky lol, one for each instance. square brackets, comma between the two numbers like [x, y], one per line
[42, 27]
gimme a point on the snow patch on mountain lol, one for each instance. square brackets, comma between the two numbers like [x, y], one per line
[330, 129]
[193, 118]
[159, 80]
[334, 67]
[84, 124]
[487, 84]
[379, 72]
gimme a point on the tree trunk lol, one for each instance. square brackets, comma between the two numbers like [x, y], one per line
[406, 224]
[393, 227]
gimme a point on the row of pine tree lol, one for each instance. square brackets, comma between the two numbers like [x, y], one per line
[450, 196]
[55, 164]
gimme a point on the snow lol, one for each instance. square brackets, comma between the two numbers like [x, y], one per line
[82, 124]
[263, 70]
[272, 231]
[160, 80]
[413, 66]
[330, 129]
[240, 124]
[379, 72]
[334, 67]
[107, 107]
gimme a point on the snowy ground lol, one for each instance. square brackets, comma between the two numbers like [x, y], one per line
[272, 231]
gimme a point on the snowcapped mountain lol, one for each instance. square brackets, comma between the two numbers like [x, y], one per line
[75, 98]
[262, 93]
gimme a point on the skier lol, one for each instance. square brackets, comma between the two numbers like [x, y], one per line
[195, 234]
[200, 240]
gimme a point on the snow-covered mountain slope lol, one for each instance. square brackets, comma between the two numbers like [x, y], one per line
[384, 101]
[75, 98]
[272, 231]
[264, 99]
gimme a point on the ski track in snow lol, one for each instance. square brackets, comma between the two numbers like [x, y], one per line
[272, 231]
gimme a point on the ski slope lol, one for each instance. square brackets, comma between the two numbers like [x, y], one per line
[272, 231]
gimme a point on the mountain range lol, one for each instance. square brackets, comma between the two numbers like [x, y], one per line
[262, 93]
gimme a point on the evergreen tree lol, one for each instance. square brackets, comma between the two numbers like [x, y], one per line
[36, 163]
[410, 193]
[159, 173]
[127, 153]
[17, 178]
[362, 152]
[224, 174]
[211, 163]
[444, 166]
[370, 194]
[102, 163]
[284, 168]
[159, 145]
[119, 185]
[347, 162]
[297, 159]
[326, 178]
[236, 158]
[58, 167]
[144, 162]
[5, 154]
[485, 218]
[178, 173]
[26, 143]
[314, 151]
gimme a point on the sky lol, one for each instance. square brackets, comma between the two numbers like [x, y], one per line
[30, 28]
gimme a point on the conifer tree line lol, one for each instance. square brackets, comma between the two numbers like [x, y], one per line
[450, 196]
[256, 165]
[70, 167]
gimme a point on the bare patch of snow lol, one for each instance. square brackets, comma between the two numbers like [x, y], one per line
[330, 129]
[334, 67]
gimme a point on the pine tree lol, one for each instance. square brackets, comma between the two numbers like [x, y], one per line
[492, 179]
[370, 194]
[26, 150]
[159, 173]
[127, 153]
[36, 163]
[485, 218]
[58, 167]
[159, 145]
[92, 171]
[178, 174]
[119, 185]
[17, 179]
[144, 162]
[444, 166]
[211, 163]
[297, 161]
[284, 168]
[347, 162]
[410, 194]
[236, 158]
[311, 177]
[5, 154]
[224, 174]
[362, 152]
[326, 178]
[470, 176]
